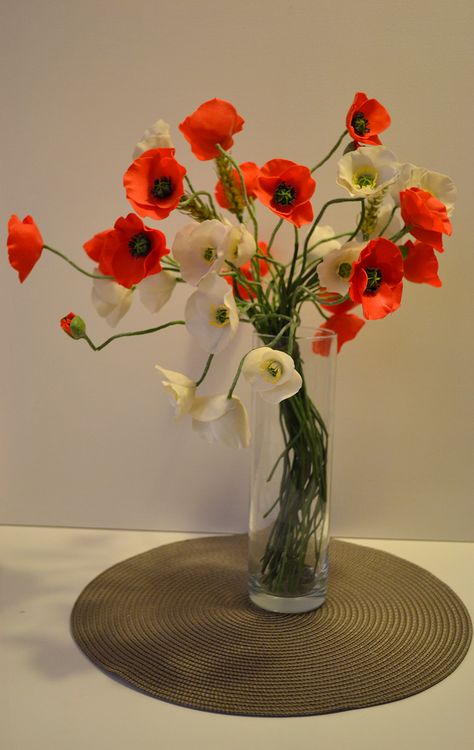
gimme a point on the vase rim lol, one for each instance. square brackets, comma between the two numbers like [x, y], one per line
[306, 333]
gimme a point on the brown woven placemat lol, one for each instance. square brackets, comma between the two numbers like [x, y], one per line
[176, 623]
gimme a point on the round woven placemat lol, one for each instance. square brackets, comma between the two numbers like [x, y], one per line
[176, 622]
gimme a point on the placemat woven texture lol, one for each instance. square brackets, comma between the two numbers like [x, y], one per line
[176, 623]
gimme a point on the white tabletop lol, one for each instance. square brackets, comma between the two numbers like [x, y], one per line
[53, 698]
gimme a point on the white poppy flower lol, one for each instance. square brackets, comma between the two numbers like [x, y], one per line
[181, 390]
[272, 373]
[198, 248]
[367, 171]
[323, 234]
[336, 267]
[158, 136]
[219, 419]
[439, 185]
[111, 300]
[211, 314]
[156, 290]
[239, 244]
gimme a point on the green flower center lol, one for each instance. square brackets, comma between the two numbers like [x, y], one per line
[273, 369]
[365, 178]
[139, 245]
[284, 194]
[209, 254]
[360, 124]
[344, 270]
[162, 188]
[374, 279]
[220, 316]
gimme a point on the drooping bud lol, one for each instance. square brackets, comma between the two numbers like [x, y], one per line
[74, 326]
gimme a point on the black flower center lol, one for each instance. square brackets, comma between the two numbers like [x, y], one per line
[284, 194]
[374, 279]
[360, 124]
[139, 245]
[162, 188]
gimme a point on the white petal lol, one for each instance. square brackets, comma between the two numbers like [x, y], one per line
[376, 160]
[156, 290]
[323, 234]
[158, 136]
[200, 314]
[328, 269]
[223, 420]
[111, 300]
[198, 249]
[181, 390]
[254, 368]
[239, 245]
[283, 390]
[271, 389]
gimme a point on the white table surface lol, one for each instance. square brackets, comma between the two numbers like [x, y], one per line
[53, 698]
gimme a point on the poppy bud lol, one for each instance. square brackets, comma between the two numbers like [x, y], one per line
[74, 326]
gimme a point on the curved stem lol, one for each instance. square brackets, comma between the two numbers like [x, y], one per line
[74, 265]
[334, 148]
[132, 333]
[206, 368]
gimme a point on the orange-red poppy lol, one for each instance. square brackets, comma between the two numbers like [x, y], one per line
[420, 264]
[154, 183]
[250, 173]
[129, 252]
[426, 216]
[365, 119]
[25, 245]
[286, 188]
[376, 278]
[345, 325]
[214, 122]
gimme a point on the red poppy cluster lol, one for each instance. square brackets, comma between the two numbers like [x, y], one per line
[154, 185]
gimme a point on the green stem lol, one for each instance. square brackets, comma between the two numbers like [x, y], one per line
[74, 265]
[334, 148]
[206, 368]
[132, 333]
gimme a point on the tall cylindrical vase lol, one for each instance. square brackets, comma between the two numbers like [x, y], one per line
[290, 481]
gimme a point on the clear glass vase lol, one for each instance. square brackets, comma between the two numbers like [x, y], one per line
[290, 481]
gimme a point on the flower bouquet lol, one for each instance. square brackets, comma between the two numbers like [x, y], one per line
[237, 276]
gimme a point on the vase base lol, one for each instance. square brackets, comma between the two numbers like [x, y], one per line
[289, 605]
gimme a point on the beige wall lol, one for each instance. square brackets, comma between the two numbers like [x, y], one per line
[87, 439]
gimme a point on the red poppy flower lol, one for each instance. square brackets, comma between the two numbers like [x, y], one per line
[365, 119]
[376, 278]
[129, 252]
[250, 174]
[345, 325]
[426, 216]
[247, 270]
[421, 264]
[214, 122]
[154, 183]
[286, 187]
[25, 245]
